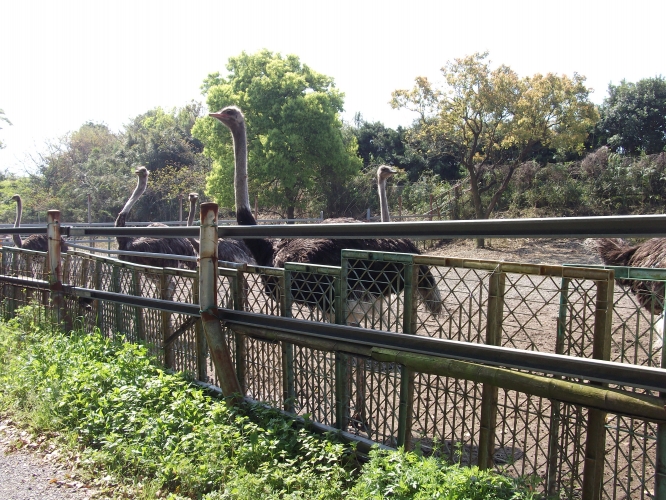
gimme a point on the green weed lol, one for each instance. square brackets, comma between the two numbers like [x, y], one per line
[163, 436]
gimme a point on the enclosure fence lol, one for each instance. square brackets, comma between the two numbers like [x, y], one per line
[368, 357]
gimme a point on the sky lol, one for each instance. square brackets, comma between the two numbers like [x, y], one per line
[68, 62]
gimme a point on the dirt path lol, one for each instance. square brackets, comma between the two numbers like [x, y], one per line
[33, 470]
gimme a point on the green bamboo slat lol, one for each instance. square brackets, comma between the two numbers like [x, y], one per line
[595, 444]
[490, 393]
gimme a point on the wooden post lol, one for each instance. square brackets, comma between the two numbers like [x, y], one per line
[55, 269]
[99, 305]
[256, 208]
[430, 212]
[555, 405]
[660, 469]
[288, 380]
[400, 207]
[593, 471]
[208, 302]
[166, 293]
[489, 395]
[139, 325]
[180, 207]
[93, 238]
[405, 411]
[200, 339]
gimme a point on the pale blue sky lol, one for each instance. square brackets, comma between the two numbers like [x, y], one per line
[67, 62]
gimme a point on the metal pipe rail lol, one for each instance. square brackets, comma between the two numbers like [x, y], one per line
[553, 227]
[653, 379]
[136, 254]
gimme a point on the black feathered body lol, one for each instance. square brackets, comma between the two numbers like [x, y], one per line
[177, 246]
[651, 253]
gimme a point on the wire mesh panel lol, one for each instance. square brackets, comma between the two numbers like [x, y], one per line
[314, 384]
[28, 264]
[374, 400]
[446, 417]
[265, 290]
[545, 308]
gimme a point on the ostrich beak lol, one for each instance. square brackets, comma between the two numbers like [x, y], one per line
[215, 115]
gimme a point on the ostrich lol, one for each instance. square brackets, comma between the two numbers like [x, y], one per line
[178, 246]
[39, 242]
[651, 253]
[227, 250]
[317, 251]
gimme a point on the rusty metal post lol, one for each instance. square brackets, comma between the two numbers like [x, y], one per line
[55, 269]
[208, 303]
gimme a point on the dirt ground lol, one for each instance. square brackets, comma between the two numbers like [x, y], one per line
[532, 250]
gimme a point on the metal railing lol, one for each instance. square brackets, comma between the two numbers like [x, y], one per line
[544, 371]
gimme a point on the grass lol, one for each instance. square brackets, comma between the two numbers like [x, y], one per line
[120, 414]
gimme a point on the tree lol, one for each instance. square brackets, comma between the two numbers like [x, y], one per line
[633, 117]
[82, 163]
[297, 156]
[3, 118]
[492, 120]
[162, 141]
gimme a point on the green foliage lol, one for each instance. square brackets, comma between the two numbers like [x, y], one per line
[400, 475]
[162, 141]
[297, 155]
[130, 418]
[404, 149]
[603, 183]
[492, 121]
[633, 117]
[83, 163]
[135, 420]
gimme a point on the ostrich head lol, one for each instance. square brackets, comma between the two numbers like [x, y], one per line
[231, 116]
[16, 198]
[384, 172]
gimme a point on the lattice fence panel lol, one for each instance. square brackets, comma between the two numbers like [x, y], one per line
[446, 417]
[315, 384]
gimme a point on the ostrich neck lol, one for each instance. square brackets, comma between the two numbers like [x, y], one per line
[19, 212]
[383, 202]
[190, 217]
[138, 191]
[241, 191]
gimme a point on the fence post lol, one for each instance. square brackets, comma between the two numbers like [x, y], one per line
[288, 379]
[166, 293]
[405, 412]
[400, 207]
[430, 211]
[556, 406]
[660, 469]
[240, 289]
[200, 339]
[138, 311]
[593, 470]
[99, 305]
[455, 213]
[488, 420]
[208, 304]
[55, 268]
[341, 362]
